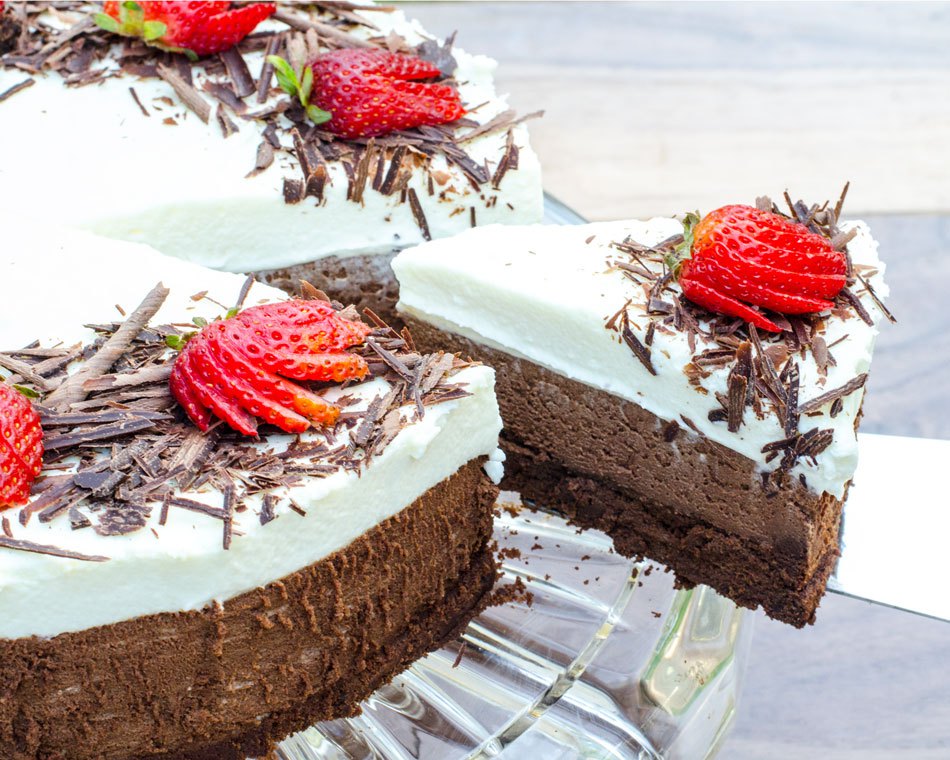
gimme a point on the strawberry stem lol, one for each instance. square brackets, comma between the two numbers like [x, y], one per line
[679, 254]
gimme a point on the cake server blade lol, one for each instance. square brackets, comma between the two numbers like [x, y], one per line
[895, 544]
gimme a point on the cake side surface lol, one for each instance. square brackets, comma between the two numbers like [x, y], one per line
[243, 183]
[225, 681]
[659, 491]
[366, 281]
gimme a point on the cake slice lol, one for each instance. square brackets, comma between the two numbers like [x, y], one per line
[168, 592]
[720, 449]
[213, 162]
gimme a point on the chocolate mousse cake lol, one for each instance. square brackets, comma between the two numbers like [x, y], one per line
[695, 397]
[174, 588]
[212, 160]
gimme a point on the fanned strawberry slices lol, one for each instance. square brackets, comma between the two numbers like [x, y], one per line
[243, 368]
[741, 257]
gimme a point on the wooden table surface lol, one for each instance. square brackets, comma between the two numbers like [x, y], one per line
[657, 108]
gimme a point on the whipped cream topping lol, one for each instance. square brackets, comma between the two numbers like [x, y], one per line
[546, 293]
[53, 283]
[174, 182]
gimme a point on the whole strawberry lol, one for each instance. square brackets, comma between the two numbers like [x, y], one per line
[237, 369]
[741, 257]
[21, 447]
[195, 28]
[359, 92]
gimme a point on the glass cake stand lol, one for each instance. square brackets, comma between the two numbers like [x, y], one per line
[607, 660]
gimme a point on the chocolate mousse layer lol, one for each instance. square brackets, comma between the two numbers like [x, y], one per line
[228, 681]
[658, 488]
[366, 281]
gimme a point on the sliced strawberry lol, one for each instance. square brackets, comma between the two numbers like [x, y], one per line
[238, 367]
[225, 377]
[366, 93]
[275, 388]
[194, 27]
[812, 285]
[720, 303]
[769, 239]
[733, 284]
[740, 257]
[21, 447]
[213, 399]
[182, 391]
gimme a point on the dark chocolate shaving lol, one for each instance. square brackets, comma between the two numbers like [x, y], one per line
[237, 69]
[53, 551]
[188, 94]
[20, 86]
[837, 393]
[639, 350]
[418, 214]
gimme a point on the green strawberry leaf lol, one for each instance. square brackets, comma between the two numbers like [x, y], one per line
[684, 250]
[232, 312]
[306, 86]
[28, 392]
[178, 341]
[318, 115]
[286, 76]
[131, 5]
[104, 21]
[153, 30]
[200, 321]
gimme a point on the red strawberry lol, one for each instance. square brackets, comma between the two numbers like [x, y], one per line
[197, 27]
[366, 93]
[741, 257]
[237, 368]
[21, 447]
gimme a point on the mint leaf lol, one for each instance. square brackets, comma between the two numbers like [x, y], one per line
[318, 115]
[104, 21]
[152, 30]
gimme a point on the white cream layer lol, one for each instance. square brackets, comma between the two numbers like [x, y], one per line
[184, 567]
[90, 158]
[544, 293]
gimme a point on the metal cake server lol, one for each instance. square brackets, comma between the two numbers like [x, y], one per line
[895, 541]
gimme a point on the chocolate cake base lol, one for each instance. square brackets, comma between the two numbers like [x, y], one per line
[659, 489]
[226, 682]
[366, 281]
